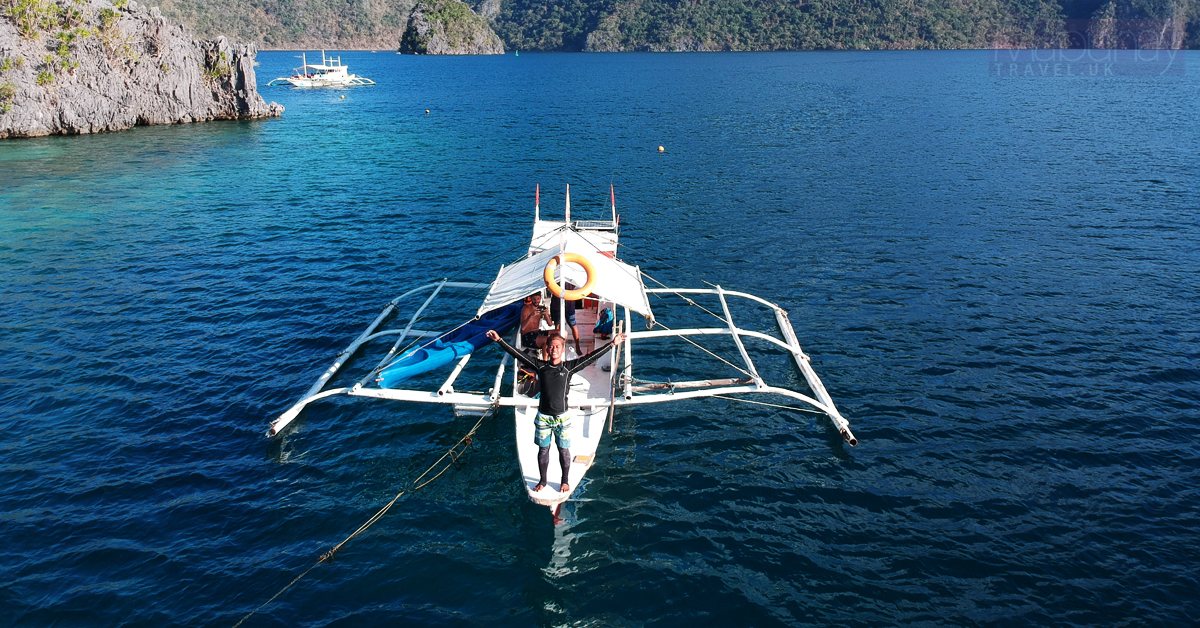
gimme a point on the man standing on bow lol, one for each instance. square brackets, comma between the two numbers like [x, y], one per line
[554, 417]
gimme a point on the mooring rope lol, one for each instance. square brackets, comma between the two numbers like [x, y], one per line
[689, 300]
[662, 261]
[455, 452]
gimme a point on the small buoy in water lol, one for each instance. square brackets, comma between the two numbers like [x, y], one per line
[343, 97]
[426, 111]
[661, 149]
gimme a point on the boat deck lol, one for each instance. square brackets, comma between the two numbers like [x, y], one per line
[590, 396]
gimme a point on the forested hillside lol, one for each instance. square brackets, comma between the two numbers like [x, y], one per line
[295, 23]
[666, 25]
[683, 25]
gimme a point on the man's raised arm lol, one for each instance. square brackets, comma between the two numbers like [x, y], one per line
[581, 363]
[519, 355]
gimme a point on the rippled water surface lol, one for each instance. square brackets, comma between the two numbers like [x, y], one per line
[996, 278]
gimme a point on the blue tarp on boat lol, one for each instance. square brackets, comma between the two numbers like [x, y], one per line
[450, 346]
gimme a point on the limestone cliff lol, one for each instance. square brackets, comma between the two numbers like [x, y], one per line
[90, 66]
[448, 27]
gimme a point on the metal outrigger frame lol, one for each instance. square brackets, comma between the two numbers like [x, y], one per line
[467, 403]
[753, 384]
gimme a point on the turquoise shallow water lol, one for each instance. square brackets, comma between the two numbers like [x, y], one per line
[995, 276]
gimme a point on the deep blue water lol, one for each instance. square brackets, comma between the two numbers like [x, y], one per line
[996, 278]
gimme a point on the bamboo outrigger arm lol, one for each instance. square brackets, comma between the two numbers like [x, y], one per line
[733, 331]
[314, 393]
[437, 289]
[675, 394]
[294, 411]
[446, 394]
[803, 363]
[627, 376]
[790, 343]
[448, 387]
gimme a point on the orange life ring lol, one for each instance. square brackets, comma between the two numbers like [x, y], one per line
[570, 295]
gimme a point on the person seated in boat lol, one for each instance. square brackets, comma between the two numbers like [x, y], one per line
[554, 415]
[555, 309]
[532, 314]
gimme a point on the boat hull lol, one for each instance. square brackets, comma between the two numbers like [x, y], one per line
[590, 401]
[587, 426]
[303, 82]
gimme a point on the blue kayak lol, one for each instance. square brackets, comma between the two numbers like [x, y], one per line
[450, 346]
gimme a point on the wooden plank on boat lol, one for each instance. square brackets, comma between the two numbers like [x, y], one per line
[702, 383]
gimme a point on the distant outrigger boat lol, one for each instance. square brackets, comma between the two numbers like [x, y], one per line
[596, 390]
[329, 73]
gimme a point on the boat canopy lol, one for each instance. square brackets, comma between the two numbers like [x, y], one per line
[552, 234]
[616, 281]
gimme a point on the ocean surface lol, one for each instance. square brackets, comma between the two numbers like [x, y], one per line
[997, 278]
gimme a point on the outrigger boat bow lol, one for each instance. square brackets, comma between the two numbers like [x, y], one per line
[583, 253]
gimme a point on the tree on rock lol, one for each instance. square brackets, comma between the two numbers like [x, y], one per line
[448, 27]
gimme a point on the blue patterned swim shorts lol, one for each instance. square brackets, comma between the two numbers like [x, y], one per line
[546, 424]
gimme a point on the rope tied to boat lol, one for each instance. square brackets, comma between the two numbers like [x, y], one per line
[700, 347]
[686, 298]
[448, 460]
[468, 443]
[769, 405]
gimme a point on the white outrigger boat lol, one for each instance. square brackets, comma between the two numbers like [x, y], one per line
[329, 73]
[597, 390]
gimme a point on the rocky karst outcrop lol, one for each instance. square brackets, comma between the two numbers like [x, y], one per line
[90, 66]
[448, 27]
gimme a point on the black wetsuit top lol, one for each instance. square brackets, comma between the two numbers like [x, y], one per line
[555, 379]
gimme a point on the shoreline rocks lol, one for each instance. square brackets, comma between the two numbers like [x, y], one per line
[95, 66]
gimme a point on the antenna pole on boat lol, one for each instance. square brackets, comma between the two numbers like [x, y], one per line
[562, 277]
[568, 212]
[612, 196]
[537, 197]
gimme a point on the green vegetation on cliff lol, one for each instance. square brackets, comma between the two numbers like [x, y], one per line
[69, 67]
[557, 25]
[680, 25]
[294, 23]
[667, 25]
[448, 27]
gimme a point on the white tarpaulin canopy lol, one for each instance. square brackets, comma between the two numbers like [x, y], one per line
[615, 281]
[550, 235]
